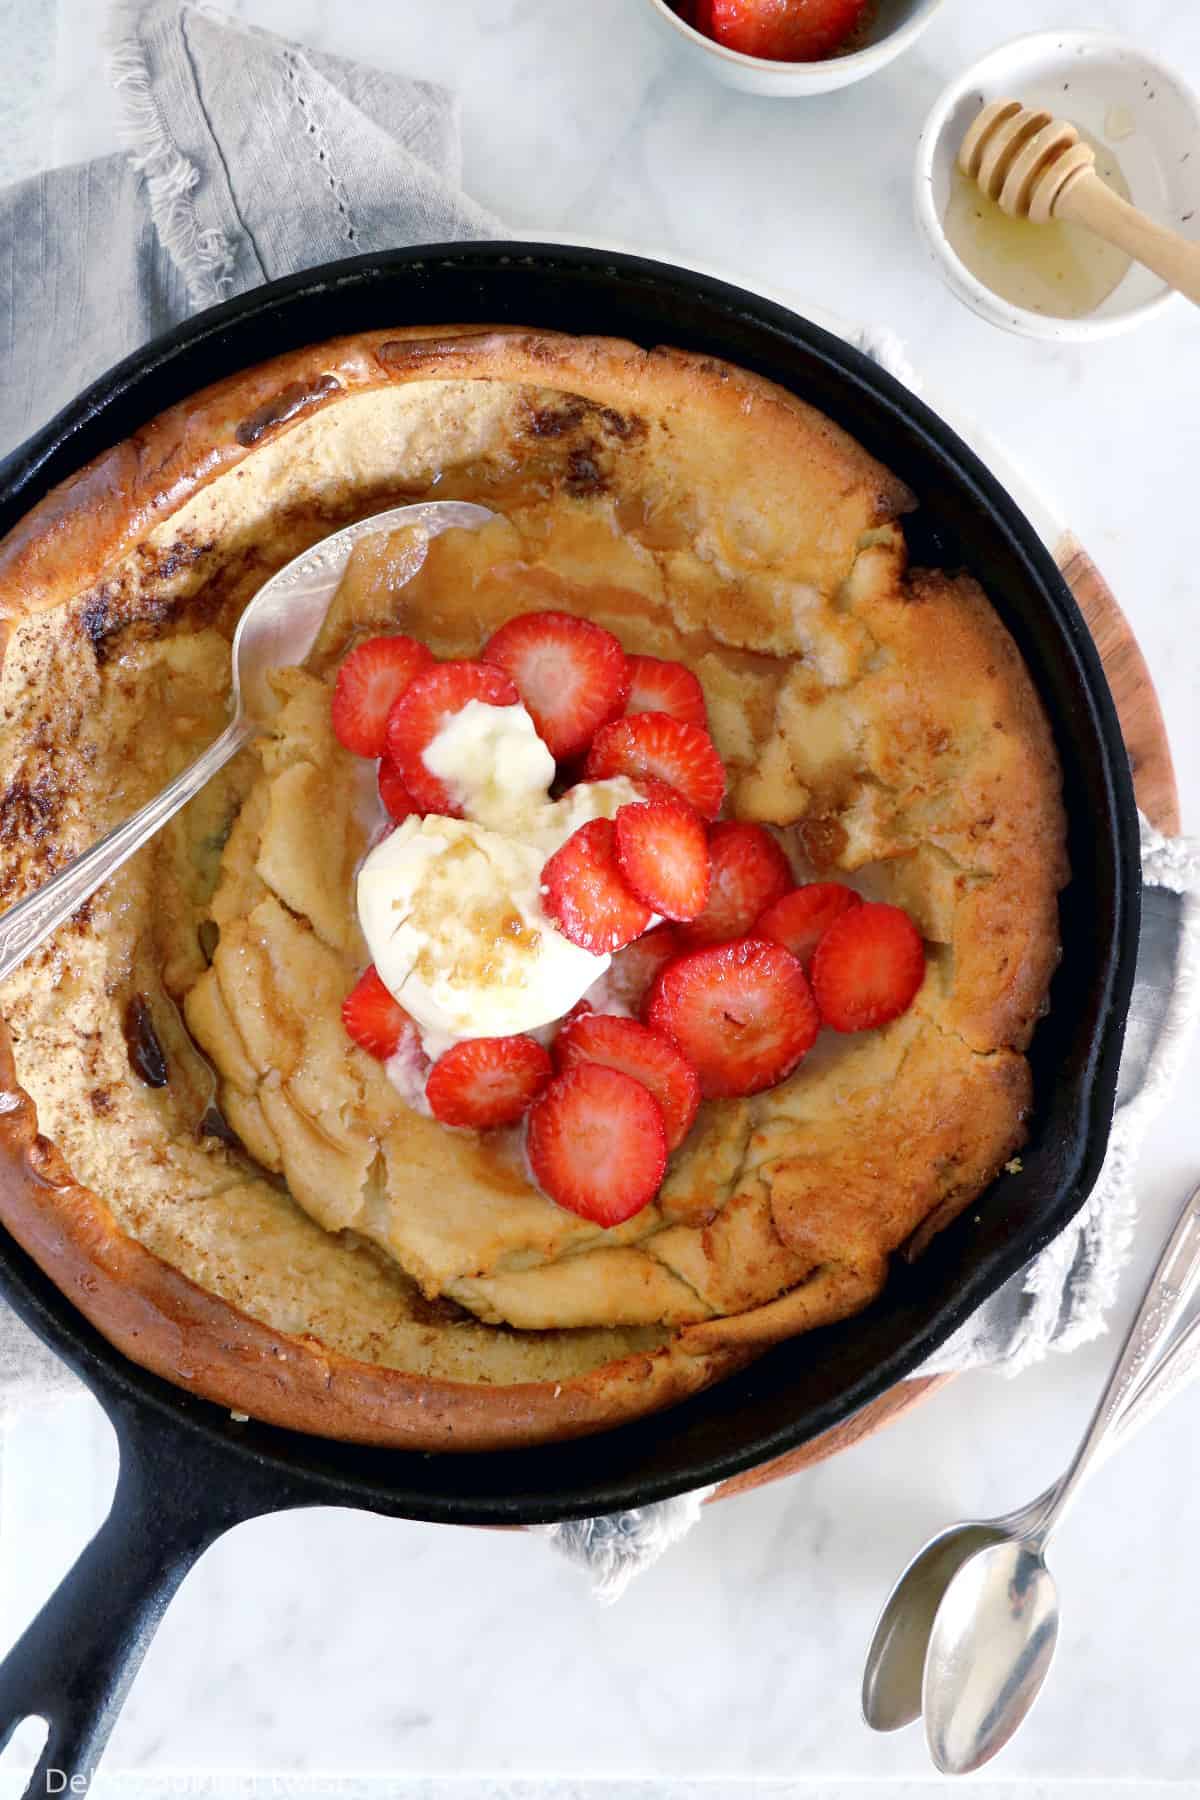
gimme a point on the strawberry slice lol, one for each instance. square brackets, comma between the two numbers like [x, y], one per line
[397, 801]
[624, 1044]
[654, 744]
[369, 682]
[742, 1013]
[749, 872]
[784, 30]
[634, 968]
[597, 1144]
[662, 851]
[422, 710]
[868, 967]
[585, 895]
[485, 1082]
[665, 687]
[571, 674]
[800, 920]
[374, 1019]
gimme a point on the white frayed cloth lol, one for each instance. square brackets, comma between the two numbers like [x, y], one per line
[250, 158]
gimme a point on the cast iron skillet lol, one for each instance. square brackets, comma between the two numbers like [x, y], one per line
[188, 1471]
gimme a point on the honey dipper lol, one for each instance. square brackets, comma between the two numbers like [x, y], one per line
[1035, 167]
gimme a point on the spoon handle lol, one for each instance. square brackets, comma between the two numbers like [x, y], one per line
[1171, 1287]
[27, 924]
[1167, 1378]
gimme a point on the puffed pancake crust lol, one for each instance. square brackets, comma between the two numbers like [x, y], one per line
[189, 1144]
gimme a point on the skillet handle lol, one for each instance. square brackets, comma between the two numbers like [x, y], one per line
[75, 1663]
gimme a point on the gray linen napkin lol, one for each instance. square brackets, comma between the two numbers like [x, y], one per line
[250, 158]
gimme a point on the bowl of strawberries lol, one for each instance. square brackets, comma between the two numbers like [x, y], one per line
[783, 48]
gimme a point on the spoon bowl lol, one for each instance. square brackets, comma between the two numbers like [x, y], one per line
[976, 1609]
[895, 1668]
[281, 623]
[989, 1653]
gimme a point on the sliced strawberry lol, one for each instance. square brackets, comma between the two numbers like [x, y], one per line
[571, 674]
[485, 1082]
[800, 920]
[749, 872]
[670, 750]
[585, 895]
[422, 710]
[374, 1019]
[742, 1014]
[665, 687]
[398, 802]
[784, 30]
[597, 1144]
[868, 967]
[634, 968]
[369, 682]
[624, 1044]
[662, 850]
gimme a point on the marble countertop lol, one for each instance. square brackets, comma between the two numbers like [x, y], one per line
[326, 1647]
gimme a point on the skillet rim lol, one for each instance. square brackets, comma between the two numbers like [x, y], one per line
[347, 1474]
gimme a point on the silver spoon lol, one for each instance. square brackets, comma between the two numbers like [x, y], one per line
[994, 1633]
[277, 630]
[895, 1667]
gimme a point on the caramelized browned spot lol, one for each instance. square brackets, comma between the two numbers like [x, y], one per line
[297, 397]
[436, 1312]
[569, 411]
[824, 840]
[584, 475]
[94, 620]
[215, 1125]
[146, 1055]
[131, 599]
[402, 353]
[626, 426]
[555, 421]
[28, 809]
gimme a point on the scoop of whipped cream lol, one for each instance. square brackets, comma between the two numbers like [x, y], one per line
[452, 908]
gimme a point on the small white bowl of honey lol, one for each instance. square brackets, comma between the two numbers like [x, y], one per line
[1060, 280]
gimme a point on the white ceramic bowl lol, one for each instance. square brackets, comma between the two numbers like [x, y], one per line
[1121, 96]
[898, 24]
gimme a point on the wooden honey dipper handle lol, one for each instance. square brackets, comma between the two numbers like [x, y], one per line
[1089, 201]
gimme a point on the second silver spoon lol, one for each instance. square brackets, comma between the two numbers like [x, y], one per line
[995, 1631]
[895, 1666]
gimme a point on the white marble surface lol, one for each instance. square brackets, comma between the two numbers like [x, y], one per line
[328, 1644]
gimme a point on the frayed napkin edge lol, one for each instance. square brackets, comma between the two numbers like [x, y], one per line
[204, 255]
